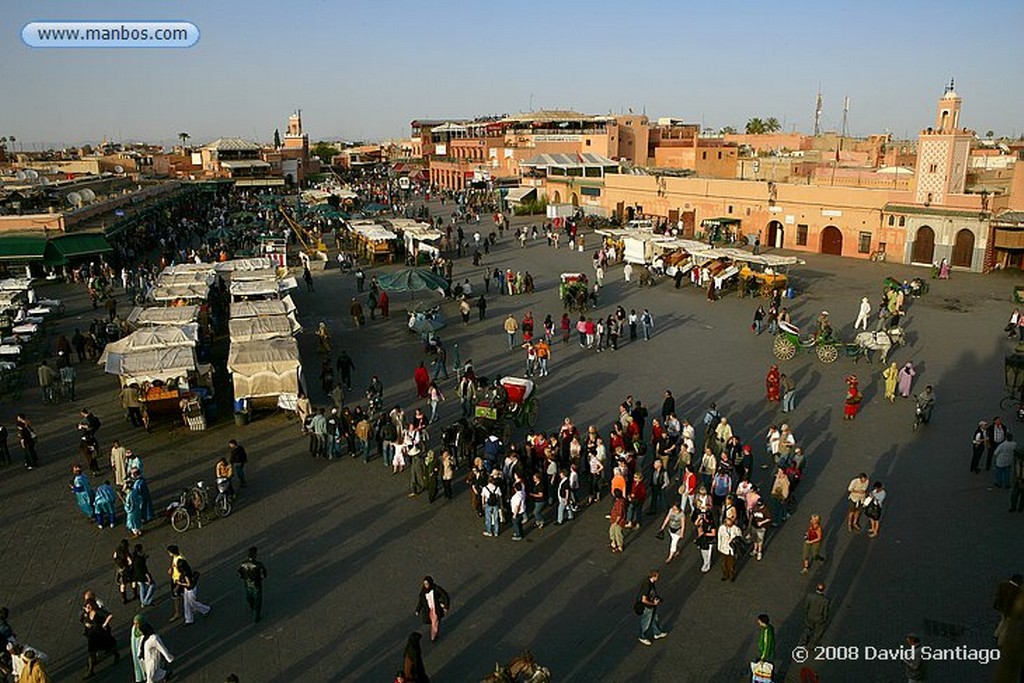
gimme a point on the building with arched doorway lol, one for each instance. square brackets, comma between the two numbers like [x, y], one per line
[935, 233]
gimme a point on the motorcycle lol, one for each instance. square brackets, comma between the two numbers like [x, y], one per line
[922, 413]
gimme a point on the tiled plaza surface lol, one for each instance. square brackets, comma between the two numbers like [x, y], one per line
[346, 548]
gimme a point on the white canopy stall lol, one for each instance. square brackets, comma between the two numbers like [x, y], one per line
[259, 328]
[266, 369]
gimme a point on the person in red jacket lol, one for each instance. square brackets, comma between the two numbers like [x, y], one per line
[637, 496]
[422, 379]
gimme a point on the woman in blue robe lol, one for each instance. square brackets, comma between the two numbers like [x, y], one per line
[146, 509]
[83, 493]
[133, 511]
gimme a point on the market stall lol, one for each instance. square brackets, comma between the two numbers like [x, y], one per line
[267, 308]
[373, 241]
[159, 315]
[266, 372]
[259, 328]
[243, 264]
[261, 289]
[179, 295]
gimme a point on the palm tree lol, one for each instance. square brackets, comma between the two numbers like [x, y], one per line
[990, 134]
[772, 125]
[755, 126]
[727, 130]
[184, 138]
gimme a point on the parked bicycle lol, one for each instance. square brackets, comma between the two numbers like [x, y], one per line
[194, 506]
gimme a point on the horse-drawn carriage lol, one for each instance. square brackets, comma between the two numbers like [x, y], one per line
[574, 291]
[827, 346]
[509, 402]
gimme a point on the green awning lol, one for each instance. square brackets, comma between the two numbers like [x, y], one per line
[22, 247]
[719, 222]
[82, 244]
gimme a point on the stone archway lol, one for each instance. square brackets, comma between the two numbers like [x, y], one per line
[924, 246]
[574, 199]
[776, 235]
[557, 198]
[630, 213]
[832, 241]
[963, 249]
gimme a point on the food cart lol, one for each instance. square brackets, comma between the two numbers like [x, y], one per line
[373, 241]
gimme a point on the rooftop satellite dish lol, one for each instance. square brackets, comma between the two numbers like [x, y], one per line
[31, 174]
[20, 175]
[87, 195]
[74, 199]
[119, 169]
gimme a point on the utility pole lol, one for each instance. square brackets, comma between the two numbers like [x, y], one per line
[817, 113]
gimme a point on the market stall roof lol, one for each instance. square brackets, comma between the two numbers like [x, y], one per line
[189, 268]
[81, 244]
[166, 279]
[160, 337]
[264, 368]
[154, 364]
[252, 309]
[195, 290]
[520, 194]
[250, 275]
[375, 233]
[262, 327]
[263, 287]
[258, 263]
[160, 315]
[22, 247]
[770, 260]
[245, 163]
[11, 299]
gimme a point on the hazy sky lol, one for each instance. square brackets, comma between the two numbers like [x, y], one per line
[365, 69]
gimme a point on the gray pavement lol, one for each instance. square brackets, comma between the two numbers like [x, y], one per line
[346, 548]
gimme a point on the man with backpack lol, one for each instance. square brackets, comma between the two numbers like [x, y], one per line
[490, 495]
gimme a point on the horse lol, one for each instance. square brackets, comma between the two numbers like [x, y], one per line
[462, 439]
[521, 669]
[881, 341]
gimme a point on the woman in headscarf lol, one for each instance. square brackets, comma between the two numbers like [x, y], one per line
[853, 397]
[83, 493]
[422, 378]
[891, 375]
[136, 636]
[133, 511]
[771, 383]
[323, 338]
[432, 605]
[413, 668]
[906, 378]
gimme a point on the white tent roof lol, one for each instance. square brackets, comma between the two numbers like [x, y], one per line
[166, 279]
[260, 274]
[258, 263]
[154, 364]
[253, 309]
[255, 329]
[152, 338]
[161, 315]
[255, 288]
[195, 290]
[189, 268]
[264, 368]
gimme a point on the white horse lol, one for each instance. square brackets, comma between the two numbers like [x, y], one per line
[881, 341]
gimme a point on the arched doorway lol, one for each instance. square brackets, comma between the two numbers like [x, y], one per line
[630, 213]
[963, 249]
[924, 246]
[574, 199]
[775, 234]
[832, 241]
[558, 197]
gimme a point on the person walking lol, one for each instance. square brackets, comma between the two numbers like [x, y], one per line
[153, 654]
[617, 520]
[863, 315]
[727, 533]
[252, 572]
[891, 377]
[511, 327]
[997, 433]
[675, 522]
[978, 444]
[760, 520]
[812, 543]
[765, 640]
[491, 498]
[788, 389]
[647, 323]
[97, 627]
[857, 491]
[27, 439]
[184, 579]
[345, 366]
[481, 306]
[145, 584]
[47, 381]
[705, 538]
[432, 605]
[647, 602]
[906, 378]
[238, 458]
[816, 612]
[873, 506]
[1003, 462]
[413, 670]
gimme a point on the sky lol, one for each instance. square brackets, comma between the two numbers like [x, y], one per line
[365, 69]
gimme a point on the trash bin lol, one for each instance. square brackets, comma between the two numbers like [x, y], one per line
[241, 419]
